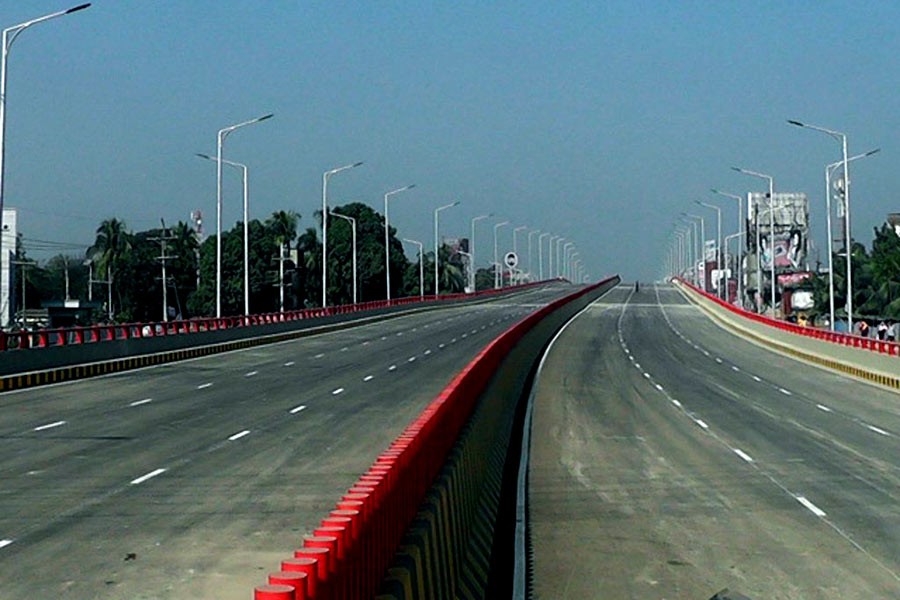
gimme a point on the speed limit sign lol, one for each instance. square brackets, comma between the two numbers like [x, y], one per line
[511, 260]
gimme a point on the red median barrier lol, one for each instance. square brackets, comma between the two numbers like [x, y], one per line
[354, 545]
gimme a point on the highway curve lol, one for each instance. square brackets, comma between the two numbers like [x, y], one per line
[671, 459]
[194, 479]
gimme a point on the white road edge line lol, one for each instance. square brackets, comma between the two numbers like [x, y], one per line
[49, 425]
[809, 505]
[149, 475]
[238, 435]
[743, 455]
[297, 409]
[139, 402]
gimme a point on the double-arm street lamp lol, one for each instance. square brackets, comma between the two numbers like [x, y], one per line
[243, 169]
[740, 227]
[387, 238]
[541, 256]
[718, 210]
[352, 222]
[220, 141]
[9, 36]
[498, 279]
[436, 243]
[847, 235]
[325, 176]
[771, 204]
[472, 246]
[421, 266]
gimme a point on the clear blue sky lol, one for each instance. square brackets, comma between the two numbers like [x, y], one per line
[596, 121]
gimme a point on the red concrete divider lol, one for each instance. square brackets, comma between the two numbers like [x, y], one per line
[43, 338]
[385, 499]
[844, 339]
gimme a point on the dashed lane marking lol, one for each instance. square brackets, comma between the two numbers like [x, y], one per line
[368, 378]
[823, 407]
[337, 391]
[297, 409]
[319, 355]
[809, 505]
[149, 475]
[878, 430]
[140, 402]
[238, 435]
[392, 368]
[203, 386]
[251, 374]
[50, 425]
[289, 363]
[701, 423]
[743, 455]
[785, 392]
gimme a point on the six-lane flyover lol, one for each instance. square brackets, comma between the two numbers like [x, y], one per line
[669, 458]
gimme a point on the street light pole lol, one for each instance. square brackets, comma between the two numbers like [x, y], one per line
[472, 245]
[243, 169]
[325, 176]
[436, 255]
[829, 169]
[718, 245]
[559, 246]
[387, 240]
[771, 181]
[847, 233]
[421, 266]
[352, 222]
[220, 141]
[530, 261]
[498, 280]
[541, 256]
[516, 245]
[9, 36]
[742, 245]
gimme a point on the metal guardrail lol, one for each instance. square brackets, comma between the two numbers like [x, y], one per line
[94, 334]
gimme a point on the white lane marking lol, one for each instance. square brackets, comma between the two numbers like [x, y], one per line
[415, 328]
[366, 343]
[823, 407]
[344, 349]
[646, 375]
[399, 333]
[139, 402]
[718, 360]
[319, 355]
[238, 435]
[878, 430]
[368, 378]
[453, 341]
[706, 352]
[251, 373]
[743, 455]
[785, 392]
[637, 365]
[337, 391]
[384, 337]
[427, 352]
[149, 475]
[659, 387]
[631, 358]
[392, 368]
[812, 507]
[735, 369]
[755, 378]
[203, 386]
[474, 331]
[442, 346]
[701, 423]
[289, 363]
[5, 543]
[676, 402]
[297, 409]
[49, 425]
[411, 359]
[464, 336]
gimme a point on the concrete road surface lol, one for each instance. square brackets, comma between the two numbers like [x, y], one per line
[194, 479]
[671, 459]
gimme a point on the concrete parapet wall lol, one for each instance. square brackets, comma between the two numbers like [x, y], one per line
[869, 360]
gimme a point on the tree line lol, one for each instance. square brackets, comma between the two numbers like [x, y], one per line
[125, 267]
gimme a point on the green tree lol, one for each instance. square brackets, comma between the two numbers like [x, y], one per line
[109, 251]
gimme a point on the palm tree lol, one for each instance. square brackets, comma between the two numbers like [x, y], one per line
[109, 250]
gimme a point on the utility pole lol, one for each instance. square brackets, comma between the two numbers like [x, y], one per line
[24, 264]
[163, 239]
[281, 285]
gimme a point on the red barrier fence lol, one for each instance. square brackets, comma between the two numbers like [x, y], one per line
[844, 339]
[44, 338]
[347, 555]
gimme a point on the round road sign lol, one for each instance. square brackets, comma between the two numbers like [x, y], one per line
[511, 260]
